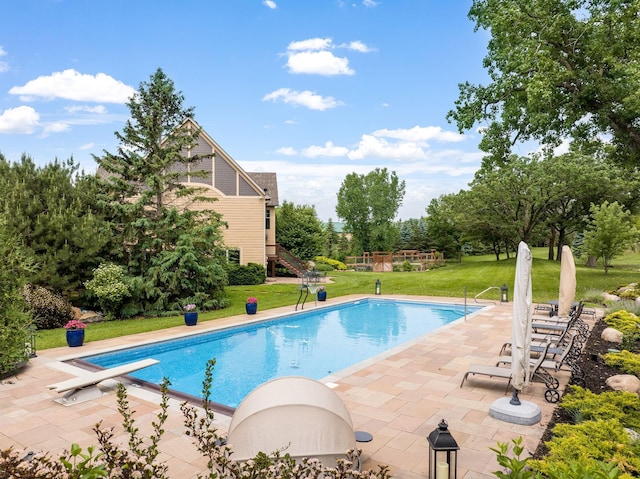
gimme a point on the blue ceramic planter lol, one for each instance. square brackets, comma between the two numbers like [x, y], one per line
[322, 295]
[75, 337]
[251, 308]
[191, 318]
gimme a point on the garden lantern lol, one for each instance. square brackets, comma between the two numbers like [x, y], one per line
[378, 286]
[443, 453]
[504, 294]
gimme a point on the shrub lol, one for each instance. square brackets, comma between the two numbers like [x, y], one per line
[626, 361]
[50, 310]
[623, 321]
[619, 405]
[629, 306]
[110, 286]
[252, 273]
[334, 263]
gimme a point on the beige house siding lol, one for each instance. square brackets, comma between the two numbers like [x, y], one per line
[246, 225]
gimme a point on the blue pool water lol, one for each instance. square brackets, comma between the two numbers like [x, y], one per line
[314, 344]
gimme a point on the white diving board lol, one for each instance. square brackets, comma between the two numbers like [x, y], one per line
[85, 387]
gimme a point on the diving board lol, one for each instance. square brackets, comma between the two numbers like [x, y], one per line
[85, 387]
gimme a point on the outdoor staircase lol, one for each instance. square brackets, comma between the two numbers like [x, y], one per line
[287, 259]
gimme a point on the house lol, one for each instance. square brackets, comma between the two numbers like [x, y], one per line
[246, 201]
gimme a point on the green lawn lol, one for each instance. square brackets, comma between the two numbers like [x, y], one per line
[473, 275]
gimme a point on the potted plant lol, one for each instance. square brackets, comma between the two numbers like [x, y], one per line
[252, 305]
[75, 333]
[322, 293]
[190, 315]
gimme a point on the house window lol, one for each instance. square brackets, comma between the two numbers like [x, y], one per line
[233, 256]
[267, 219]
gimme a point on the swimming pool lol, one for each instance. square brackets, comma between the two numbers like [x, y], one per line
[314, 344]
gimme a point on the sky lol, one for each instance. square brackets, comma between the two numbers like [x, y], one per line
[312, 90]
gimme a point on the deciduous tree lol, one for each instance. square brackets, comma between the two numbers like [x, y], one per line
[299, 230]
[558, 69]
[609, 233]
[368, 204]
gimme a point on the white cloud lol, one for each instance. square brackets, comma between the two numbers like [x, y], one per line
[303, 98]
[22, 119]
[4, 66]
[87, 146]
[99, 109]
[420, 134]
[319, 63]
[72, 85]
[374, 147]
[370, 3]
[358, 46]
[314, 56]
[329, 150]
[270, 3]
[310, 44]
[287, 151]
[57, 127]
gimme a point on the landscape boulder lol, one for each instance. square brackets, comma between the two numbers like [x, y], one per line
[612, 335]
[624, 382]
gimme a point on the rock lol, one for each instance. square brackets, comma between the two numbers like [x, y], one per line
[624, 382]
[612, 335]
[91, 317]
[610, 297]
[633, 435]
[77, 312]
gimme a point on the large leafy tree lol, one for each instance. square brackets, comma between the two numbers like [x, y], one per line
[368, 205]
[171, 253]
[299, 230]
[53, 210]
[558, 69]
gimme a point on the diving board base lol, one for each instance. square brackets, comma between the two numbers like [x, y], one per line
[525, 414]
[77, 396]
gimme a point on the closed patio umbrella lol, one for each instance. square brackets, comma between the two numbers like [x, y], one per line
[521, 325]
[567, 292]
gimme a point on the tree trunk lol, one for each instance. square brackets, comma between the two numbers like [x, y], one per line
[561, 238]
[592, 261]
[552, 243]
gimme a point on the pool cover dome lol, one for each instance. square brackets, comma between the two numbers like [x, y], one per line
[301, 416]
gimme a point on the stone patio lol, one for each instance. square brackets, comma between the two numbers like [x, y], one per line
[399, 397]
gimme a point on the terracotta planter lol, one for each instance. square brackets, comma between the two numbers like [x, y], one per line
[75, 337]
[252, 308]
[191, 318]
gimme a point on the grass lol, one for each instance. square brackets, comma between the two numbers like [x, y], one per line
[471, 277]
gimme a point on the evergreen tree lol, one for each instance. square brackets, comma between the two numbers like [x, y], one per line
[172, 254]
[331, 238]
[53, 211]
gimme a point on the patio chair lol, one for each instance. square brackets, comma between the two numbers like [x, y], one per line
[551, 394]
[553, 362]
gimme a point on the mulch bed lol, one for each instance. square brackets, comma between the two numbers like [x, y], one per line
[596, 374]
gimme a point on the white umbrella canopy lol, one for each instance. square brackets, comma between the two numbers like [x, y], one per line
[567, 292]
[522, 313]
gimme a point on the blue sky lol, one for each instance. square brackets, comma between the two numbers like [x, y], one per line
[310, 89]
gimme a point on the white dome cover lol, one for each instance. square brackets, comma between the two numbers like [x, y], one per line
[298, 415]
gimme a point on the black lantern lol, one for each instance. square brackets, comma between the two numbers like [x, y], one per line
[378, 286]
[443, 455]
[504, 294]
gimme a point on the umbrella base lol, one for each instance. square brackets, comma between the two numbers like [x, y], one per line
[526, 414]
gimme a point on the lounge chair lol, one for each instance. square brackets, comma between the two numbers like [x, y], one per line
[83, 388]
[551, 394]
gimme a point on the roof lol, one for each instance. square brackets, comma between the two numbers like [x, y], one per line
[269, 184]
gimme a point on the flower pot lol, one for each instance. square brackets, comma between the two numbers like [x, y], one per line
[322, 295]
[75, 337]
[251, 308]
[191, 318]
